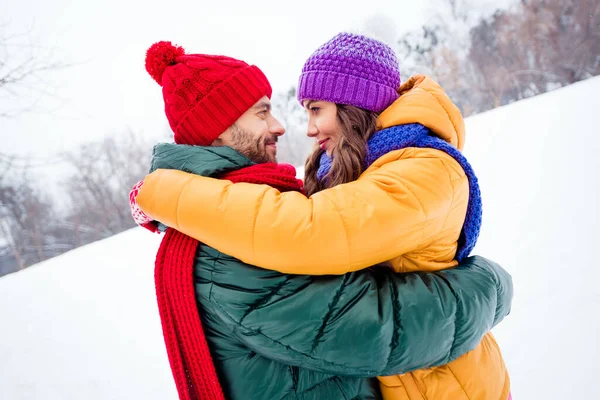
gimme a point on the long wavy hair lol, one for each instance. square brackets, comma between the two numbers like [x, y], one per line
[348, 156]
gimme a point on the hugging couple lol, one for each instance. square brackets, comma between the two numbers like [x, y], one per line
[355, 282]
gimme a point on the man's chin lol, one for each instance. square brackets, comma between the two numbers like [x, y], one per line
[263, 158]
[272, 155]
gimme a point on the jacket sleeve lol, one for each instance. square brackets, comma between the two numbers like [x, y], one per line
[380, 216]
[368, 323]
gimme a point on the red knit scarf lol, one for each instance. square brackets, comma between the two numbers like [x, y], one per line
[189, 356]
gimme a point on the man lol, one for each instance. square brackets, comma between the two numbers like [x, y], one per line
[340, 331]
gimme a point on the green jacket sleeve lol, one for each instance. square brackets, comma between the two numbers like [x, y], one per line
[369, 323]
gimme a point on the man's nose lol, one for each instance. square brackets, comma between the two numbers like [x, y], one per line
[275, 127]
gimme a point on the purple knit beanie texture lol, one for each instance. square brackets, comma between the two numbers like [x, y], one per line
[354, 70]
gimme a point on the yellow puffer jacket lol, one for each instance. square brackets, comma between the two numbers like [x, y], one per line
[408, 208]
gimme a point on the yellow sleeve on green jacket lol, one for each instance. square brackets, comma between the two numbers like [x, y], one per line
[389, 211]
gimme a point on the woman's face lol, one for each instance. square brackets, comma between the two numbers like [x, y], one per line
[323, 124]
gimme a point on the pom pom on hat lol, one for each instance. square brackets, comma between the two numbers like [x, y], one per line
[204, 94]
[159, 56]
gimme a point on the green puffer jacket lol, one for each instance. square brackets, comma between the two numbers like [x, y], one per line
[276, 336]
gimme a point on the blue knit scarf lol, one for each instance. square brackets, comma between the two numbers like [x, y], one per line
[416, 135]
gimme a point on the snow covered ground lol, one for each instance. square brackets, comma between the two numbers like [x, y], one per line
[85, 325]
[538, 163]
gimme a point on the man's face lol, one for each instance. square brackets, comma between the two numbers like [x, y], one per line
[255, 133]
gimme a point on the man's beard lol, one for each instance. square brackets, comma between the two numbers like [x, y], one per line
[254, 148]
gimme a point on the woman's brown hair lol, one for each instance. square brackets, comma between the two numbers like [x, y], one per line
[348, 156]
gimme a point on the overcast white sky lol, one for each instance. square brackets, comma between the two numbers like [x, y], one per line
[108, 89]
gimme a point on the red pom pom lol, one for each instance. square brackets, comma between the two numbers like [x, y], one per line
[159, 56]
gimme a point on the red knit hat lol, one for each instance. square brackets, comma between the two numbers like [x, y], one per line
[204, 94]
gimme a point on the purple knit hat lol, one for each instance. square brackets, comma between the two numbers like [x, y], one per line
[354, 70]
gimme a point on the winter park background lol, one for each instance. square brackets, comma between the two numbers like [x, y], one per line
[79, 116]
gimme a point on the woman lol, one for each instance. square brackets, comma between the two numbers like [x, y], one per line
[388, 185]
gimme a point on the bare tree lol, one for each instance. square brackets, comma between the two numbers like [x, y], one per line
[97, 191]
[24, 68]
[536, 47]
[26, 213]
[27, 218]
[34, 225]
[93, 204]
[439, 49]
[294, 146]
[486, 62]
[568, 33]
